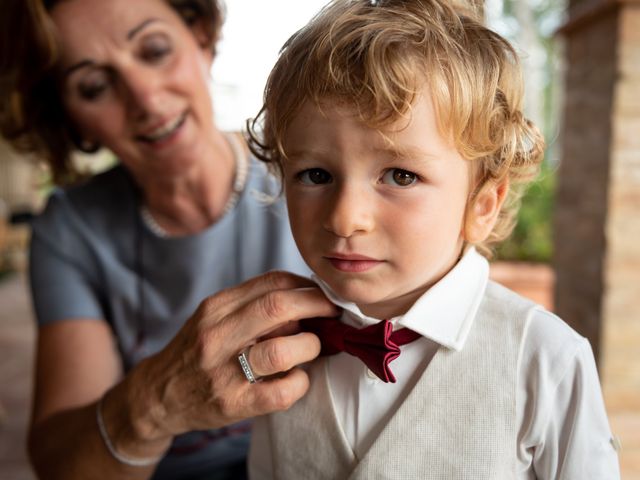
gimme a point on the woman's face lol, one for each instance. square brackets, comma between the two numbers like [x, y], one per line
[134, 78]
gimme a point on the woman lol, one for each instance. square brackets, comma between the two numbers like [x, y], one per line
[132, 375]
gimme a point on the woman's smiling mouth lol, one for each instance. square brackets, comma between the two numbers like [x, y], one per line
[163, 132]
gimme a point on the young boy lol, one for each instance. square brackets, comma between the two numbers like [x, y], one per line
[397, 128]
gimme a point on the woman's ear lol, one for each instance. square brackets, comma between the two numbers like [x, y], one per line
[483, 211]
[81, 142]
[203, 38]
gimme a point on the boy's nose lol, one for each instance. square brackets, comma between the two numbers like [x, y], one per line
[349, 212]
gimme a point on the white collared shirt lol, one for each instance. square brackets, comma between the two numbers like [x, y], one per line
[560, 417]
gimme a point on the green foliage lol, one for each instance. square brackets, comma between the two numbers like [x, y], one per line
[5, 266]
[531, 239]
[4, 273]
[530, 25]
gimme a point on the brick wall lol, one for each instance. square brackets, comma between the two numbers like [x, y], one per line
[621, 300]
[597, 222]
[581, 202]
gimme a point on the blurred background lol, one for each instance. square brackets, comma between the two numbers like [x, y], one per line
[575, 248]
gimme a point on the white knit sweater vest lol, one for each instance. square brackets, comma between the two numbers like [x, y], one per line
[458, 422]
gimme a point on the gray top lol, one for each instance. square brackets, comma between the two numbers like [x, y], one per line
[92, 256]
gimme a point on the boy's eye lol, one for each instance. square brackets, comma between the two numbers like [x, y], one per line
[314, 176]
[399, 177]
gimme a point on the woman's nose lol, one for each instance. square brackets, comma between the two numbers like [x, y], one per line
[143, 92]
[349, 211]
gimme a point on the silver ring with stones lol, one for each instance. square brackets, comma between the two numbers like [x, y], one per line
[246, 368]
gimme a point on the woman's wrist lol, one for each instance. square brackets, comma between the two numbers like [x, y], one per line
[106, 438]
[128, 413]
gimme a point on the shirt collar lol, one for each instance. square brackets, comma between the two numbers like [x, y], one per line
[444, 313]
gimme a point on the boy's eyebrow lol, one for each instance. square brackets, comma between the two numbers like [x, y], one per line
[303, 153]
[408, 152]
[390, 151]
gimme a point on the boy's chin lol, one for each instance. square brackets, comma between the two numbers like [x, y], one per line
[346, 290]
[363, 297]
[373, 303]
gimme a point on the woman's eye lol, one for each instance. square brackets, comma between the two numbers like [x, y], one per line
[314, 176]
[155, 48]
[399, 177]
[92, 88]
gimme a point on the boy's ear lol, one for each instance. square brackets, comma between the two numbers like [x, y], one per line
[483, 210]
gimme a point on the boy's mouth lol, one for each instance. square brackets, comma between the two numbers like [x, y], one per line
[352, 263]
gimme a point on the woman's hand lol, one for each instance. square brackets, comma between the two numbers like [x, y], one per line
[196, 382]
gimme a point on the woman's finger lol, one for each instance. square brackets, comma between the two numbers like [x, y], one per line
[281, 354]
[274, 309]
[289, 328]
[231, 299]
[275, 394]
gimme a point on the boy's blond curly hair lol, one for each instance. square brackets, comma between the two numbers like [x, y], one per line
[375, 56]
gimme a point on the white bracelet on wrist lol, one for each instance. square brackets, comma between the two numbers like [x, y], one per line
[134, 462]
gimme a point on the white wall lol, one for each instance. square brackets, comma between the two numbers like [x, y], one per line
[253, 33]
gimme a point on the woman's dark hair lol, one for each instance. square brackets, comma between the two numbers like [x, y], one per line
[32, 117]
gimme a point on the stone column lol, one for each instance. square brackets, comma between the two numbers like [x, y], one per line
[597, 222]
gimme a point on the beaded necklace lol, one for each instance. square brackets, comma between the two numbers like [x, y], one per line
[242, 169]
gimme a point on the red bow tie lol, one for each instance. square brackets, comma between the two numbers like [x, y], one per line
[376, 345]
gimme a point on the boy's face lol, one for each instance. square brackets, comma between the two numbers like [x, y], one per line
[379, 222]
